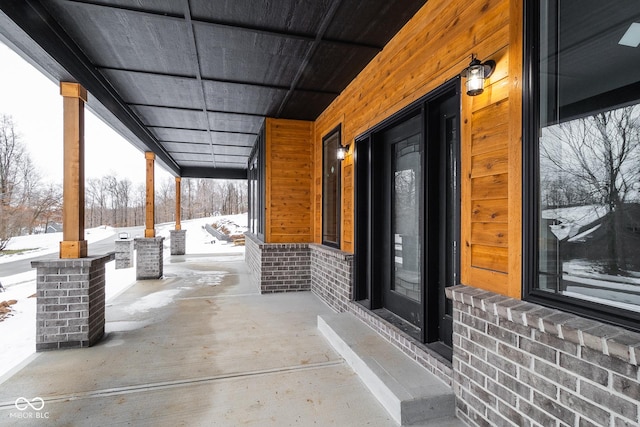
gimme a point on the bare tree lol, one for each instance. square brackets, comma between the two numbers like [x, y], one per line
[124, 195]
[111, 184]
[45, 205]
[165, 201]
[598, 156]
[97, 196]
[139, 202]
[17, 181]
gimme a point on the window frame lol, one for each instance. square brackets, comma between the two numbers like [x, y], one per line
[530, 190]
[338, 211]
[257, 198]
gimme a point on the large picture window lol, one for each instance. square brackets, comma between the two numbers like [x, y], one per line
[331, 188]
[583, 157]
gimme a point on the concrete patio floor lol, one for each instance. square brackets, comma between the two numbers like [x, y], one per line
[199, 347]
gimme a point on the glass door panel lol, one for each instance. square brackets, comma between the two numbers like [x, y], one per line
[405, 220]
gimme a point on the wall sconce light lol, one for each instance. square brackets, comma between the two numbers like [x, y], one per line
[342, 152]
[476, 73]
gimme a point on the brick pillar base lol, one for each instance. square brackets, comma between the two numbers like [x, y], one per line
[70, 302]
[124, 253]
[149, 264]
[178, 241]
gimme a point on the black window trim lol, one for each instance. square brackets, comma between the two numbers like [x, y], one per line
[257, 156]
[336, 244]
[530, 163]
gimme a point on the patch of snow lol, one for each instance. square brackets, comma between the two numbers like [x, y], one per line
[17, 279]
[602, 297]
[579, 215]
[583, 281]
[18, 330]
[589, 270]
[562, 231]
[582, 237]
[154, 300]
[123, 326]
[48, 243]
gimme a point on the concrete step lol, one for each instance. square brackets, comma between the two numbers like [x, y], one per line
[411, 394]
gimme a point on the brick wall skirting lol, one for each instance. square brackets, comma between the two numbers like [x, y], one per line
[252, 256]
[278, 267]
[70, 302]
[517, 363]
[332, 276]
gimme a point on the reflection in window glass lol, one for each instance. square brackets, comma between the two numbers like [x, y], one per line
[331, 189]
[255, 175]
[589, 153]
[590, 207]
[406, 216]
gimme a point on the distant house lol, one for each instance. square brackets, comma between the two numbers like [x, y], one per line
[53, 227]
[584, 232]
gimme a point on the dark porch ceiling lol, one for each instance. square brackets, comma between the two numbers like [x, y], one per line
[193, 80]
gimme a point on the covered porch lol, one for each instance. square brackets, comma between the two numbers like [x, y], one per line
[200, 347]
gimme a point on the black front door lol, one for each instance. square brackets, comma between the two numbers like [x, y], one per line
[401, 221]
[407, 241]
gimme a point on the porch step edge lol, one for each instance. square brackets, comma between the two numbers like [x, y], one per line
[410, 394]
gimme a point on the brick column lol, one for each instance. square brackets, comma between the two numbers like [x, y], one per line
[149, 254]
[178, 241]
[124, 253]
[70, 302]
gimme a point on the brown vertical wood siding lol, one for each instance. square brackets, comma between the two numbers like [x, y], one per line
[288, 169]
[431, 49]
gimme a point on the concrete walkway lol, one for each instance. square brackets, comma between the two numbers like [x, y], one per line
[200, 347]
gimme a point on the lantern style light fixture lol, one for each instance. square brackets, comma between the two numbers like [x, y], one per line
[342, 152]
[476, 73]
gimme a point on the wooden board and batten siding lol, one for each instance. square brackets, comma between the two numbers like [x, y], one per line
[434, 47]
[288, 169]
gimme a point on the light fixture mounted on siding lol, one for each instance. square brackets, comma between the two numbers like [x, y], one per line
[476, 73]
[342, 152]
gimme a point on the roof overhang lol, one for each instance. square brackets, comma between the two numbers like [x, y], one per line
[193, 80]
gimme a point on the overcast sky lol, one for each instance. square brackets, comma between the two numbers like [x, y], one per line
[35, 104]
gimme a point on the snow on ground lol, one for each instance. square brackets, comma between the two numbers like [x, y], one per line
[43, 244]
[581, 215]
[18, 330]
